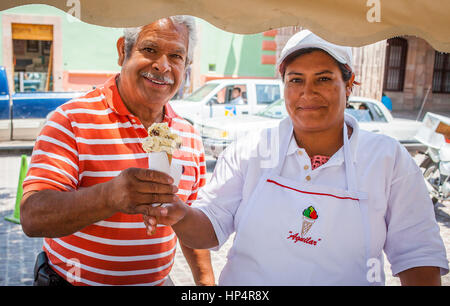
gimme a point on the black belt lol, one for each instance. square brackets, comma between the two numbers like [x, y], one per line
[44, 274]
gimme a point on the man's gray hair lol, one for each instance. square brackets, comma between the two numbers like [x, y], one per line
[131, 35]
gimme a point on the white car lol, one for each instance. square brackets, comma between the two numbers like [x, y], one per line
[217, 133]
[215, 99]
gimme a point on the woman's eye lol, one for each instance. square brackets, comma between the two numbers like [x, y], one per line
[177, 56]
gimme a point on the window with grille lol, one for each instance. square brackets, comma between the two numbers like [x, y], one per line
[394, 74]
[441, 73]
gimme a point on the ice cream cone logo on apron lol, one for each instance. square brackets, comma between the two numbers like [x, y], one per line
[309, 217]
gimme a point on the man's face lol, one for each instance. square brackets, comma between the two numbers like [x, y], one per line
[155, 67]
[315, 92]
[236, 93]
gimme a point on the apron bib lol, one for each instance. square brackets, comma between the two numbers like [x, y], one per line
[293, 233]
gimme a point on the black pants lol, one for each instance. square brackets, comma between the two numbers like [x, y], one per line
[44, 274]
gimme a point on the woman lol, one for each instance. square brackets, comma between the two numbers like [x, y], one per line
[321, 208]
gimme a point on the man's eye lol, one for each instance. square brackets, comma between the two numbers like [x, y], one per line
[324, 79]
[151, 50]
[296, 80]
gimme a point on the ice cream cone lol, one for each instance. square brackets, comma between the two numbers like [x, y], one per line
[159, 161]
[306, 225]
[161, 140]
[160, 145]
[162, 162]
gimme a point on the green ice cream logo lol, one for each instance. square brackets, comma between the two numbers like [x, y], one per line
[309, 217]
[310, 212]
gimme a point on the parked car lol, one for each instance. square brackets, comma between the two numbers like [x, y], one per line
[22, 115]
[215, 99]
[217, 133]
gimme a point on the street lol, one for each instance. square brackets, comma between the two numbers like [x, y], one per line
[18, 252]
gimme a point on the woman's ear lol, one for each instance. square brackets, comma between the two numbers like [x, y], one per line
[121, 50]
[349, 85]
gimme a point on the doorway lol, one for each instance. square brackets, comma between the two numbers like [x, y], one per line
[32, 57]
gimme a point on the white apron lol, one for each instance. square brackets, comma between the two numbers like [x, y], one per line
[276, 245]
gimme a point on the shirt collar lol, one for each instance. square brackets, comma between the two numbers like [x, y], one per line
[111, 93]
[169, 114]
[293, 147]
[115, 102]
[353, 141]
[351, 121]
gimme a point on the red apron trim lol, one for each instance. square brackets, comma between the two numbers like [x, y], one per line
[314, 193]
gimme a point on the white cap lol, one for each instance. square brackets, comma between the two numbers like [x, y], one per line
[306, 39]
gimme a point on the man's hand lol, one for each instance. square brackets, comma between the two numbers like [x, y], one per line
[135, 189]
[53, 213]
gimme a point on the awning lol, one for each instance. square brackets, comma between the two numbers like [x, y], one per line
[347, 22]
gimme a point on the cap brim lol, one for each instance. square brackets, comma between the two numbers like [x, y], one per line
[306, 46]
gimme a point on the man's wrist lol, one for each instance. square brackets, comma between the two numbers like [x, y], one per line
[107, 202]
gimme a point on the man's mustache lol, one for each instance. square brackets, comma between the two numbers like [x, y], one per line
[156, 77]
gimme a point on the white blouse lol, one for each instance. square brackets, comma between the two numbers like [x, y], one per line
[401, 214]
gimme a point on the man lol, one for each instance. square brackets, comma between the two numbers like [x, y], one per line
[236, 96]
[363, 107]
[89, 185]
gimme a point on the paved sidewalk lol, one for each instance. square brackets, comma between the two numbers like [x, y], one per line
[18, 252]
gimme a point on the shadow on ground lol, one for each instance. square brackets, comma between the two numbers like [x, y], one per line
[441, 214]
[6, 194]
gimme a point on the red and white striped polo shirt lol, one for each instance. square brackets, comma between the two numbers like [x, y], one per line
[90, 140]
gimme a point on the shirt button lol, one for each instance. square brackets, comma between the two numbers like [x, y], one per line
[300, 152]
[306, 167]
[308, 178]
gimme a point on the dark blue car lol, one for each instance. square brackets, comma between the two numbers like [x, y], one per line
[22, 115]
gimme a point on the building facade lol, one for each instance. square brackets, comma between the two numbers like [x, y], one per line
[220, 54]
[45, 49]
[416, 76]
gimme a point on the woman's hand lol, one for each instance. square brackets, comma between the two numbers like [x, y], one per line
[192, 227]
[167, 214]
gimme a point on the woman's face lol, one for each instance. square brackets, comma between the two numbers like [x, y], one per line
[315, 92]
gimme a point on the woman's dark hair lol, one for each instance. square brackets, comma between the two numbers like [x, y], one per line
[345, 69]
